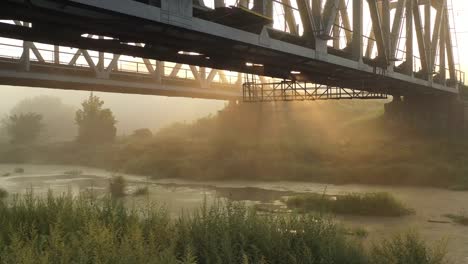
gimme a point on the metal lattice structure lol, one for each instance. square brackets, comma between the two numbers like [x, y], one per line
[400, 47]
[302, 91]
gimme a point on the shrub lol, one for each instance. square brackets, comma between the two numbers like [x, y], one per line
[73, 173]
[117, 186]
[141, 191]
[460, 219]
[18, 170]
[78, 230]
[3, 193]
[375, 204]
[407, 249]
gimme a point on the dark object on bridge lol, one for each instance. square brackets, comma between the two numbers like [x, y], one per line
[404, 67]
[345, 53]
[156, 3]
[375, 62]
[290, 38]
[236, 17]
[421, 75]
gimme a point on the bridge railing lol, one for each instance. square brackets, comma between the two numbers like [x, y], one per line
[48, 55]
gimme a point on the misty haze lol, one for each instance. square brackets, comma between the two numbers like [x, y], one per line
[256, 131]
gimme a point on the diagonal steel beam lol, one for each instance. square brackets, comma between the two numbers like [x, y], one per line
[420, 38]
[289, 17]
[378, 30]
[396, 27]
[345, 19]
[437, 32]
[448, 44]
[330, 12]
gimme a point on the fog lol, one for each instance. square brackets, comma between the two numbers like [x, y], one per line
[131, 111]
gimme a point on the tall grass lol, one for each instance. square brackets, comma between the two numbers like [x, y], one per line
[79, 230]
[117, 185]
[369, 204]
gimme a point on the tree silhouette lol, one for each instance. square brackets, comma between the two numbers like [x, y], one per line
[95, 124]
[23, 128]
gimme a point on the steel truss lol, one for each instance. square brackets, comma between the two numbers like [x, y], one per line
[302, 91]
[320, 42]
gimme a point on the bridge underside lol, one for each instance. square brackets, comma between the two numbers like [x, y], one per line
[201, 37]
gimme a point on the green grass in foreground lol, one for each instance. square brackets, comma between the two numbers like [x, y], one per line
[79, 230]
[368, 204]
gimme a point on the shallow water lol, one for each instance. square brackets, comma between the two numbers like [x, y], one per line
[182, 195]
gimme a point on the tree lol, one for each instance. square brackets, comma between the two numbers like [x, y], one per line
[23, 128]
[95, 124]
[57, 116]
[142, 133]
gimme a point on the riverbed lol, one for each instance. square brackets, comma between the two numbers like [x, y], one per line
[430, 204]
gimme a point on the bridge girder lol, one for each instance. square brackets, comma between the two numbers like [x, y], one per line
[319, 40]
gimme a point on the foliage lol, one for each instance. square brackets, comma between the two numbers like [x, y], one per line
[142, 133]
[408, 248]
[23, 128]
[141, 191]
[461, 219]
[375, 204]
[95, 123]
[18, 170]
[57, 116]
[81, 230]
[3, 193]
[117, 186]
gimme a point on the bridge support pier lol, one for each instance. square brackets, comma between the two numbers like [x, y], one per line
[430, 114]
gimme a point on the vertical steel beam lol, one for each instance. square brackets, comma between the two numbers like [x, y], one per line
[427, 38]
[336, 33]
[330, 12]
[448, 44]
[357, 30]
[219, 3]
[25, 61]
[386, 27]
[260, 6]
[442, 43]
[56, 54]
[159, 73]
[409, 37]
[317, 15]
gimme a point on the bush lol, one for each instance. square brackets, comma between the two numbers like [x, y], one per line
[460, 219]
[117, 186]
[3, 193]
[77, 230]
[141, 191]
[73, 173]
[372, 204]
[18, 170]
[406, 249]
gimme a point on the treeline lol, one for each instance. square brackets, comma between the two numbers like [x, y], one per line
[335, 142]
